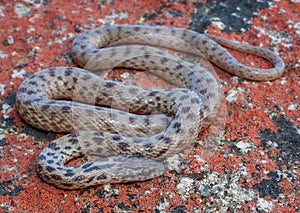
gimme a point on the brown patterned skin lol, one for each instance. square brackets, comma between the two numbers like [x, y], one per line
[130, 145]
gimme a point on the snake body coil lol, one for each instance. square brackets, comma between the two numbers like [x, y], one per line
[129, 143]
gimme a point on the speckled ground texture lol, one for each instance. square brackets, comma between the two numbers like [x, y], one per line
[254, 167]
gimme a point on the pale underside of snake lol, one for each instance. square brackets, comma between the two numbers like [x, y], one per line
[130, 129]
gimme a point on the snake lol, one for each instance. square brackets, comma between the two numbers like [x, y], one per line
[130, 131]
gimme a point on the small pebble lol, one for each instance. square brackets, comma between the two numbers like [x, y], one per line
[8, 41]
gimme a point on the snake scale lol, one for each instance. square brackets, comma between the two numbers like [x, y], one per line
[131, 130]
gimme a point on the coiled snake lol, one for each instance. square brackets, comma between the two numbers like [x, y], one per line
[130, 144]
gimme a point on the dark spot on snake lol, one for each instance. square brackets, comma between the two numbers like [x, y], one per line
[204, 42]
[31, 92]
[97, 168]
[192, 66]
[191, 116]
[214, 48]
[64, 153]
[53, 146]
[50, 168]
[210, 80]
[78, 178]
[124, 146]
[50, 161]
[73, 134]
[98, 133]
[133, 90]
[73, 141]
[83, 46]
[68, 71]
[179, 130]
[179, 66]
[131, 120]
[97, 139]
[42, 157]
[52, 72]
[167, 140]
[86, 76]
[193, 37]
[28, 102]
[110, 84]
[198, 81]
[176, 125]
[119, 28]
[32, 82]
[116, 137]
[122, 113]
[98, 108]
[32, 76]
[113, 116]
[184, 97]
[147, 121]
[203, 91]
[75, 80]
[191, 74]
[67, 185]
[22, 90]
[101, 177]
[87, 165]
[148, 147]
[56, 177]
[195, 100]
[186, 109]
[66, 84]
[83, 54]
[160, 137]
[66, 108]
[67, 147]
[50, 154]
[69, 173]
[87, 144]
[164, 60]
[59, 78]
[153, 93]
[90, 179]
[90, 112]
[211, 95]
[97, 31]
[157, 98]
[136, 28]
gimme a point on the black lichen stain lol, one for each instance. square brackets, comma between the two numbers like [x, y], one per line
[233, 13]
[270, 186]
[286, 139]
